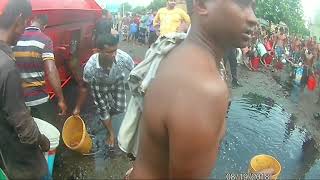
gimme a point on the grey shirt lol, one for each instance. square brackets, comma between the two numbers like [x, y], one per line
[19, 135]
[16, 122]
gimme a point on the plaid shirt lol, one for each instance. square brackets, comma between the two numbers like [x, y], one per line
[108, 89]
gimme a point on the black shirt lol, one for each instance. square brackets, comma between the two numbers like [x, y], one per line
[103, 26]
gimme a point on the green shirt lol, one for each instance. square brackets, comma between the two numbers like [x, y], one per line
[144, 22]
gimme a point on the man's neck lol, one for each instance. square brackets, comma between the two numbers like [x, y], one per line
[198, 37]
[105, 64]
[37, 25]
[4, 36]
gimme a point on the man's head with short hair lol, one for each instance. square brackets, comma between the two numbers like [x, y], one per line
[226, 23]
[171, 4]
[281, 29]
[13, 19]
[105, 12]
[40, 21]
[107, 45]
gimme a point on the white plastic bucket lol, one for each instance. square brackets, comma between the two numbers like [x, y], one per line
[53, 134]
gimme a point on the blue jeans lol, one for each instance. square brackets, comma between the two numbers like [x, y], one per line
[279, 52]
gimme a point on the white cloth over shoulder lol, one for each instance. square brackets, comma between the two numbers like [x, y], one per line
[139, 80]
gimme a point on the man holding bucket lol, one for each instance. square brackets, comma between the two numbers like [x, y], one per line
[21, 143]
[105, 73]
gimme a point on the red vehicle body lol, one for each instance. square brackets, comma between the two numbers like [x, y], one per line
[71, 26]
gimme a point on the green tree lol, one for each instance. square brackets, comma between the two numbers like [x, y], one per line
[288, 11]
[139, 10]
[155, 5]
[126, 7]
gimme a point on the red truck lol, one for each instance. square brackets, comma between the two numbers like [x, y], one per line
[71, 28]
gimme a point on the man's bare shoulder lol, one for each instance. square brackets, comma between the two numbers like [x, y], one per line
[195, 81]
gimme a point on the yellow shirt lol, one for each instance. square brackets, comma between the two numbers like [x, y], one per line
[170, 20]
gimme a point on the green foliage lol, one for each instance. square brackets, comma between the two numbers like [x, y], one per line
[288, 11]
[126, 7]
[155, 5]
[139, 10]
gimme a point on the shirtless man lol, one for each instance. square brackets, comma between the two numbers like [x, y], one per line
[296, 47]
[186, 104]
[279, 46]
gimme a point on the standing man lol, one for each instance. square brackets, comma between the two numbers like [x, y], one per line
[231, 57]
[105, 74]
[21, 143]
[152, 31]
[279, 44]
[143, 29]
[171, 19]
[104, 25]
[125, 23]
[35, 60]
[185, 106]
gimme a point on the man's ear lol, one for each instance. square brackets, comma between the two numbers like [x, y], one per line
[200, 7]
[18, 23]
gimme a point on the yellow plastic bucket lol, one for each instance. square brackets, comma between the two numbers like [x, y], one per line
[264, 162]
[75, 135]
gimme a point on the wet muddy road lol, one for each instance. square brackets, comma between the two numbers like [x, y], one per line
[258, 123]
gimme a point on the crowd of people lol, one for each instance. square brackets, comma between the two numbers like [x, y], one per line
[184, 63]
[145, 29]
[276, 48]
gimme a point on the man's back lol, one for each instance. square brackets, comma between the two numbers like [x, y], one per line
[176, 105]
[32, 49]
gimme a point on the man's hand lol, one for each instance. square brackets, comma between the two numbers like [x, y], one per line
[63, 108]
[76, 111]
[44, 143]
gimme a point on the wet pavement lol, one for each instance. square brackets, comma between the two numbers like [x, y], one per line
[256, 125]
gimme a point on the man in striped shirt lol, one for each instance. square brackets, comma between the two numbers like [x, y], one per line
[35, 59]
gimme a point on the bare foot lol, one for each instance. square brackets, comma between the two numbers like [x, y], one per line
[111, 140]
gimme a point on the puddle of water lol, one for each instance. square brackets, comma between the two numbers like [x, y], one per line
[257, 125]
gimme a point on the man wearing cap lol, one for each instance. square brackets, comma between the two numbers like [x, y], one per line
[21, 143]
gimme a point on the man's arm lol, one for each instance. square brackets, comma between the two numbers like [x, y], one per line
[195, 129]
[156, 21]
[18, 114]
[51, 72]
[185, 17]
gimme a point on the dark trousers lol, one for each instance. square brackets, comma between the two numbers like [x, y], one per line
[142, 35]
[231, 57]
[152, 38]
[22, 161]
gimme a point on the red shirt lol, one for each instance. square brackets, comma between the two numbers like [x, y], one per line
[137, 20]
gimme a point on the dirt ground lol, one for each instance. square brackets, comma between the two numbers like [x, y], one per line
[272, 85]
[264, 83]
[70, 165]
